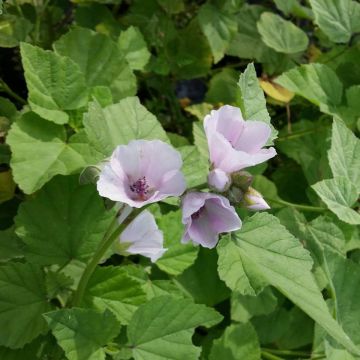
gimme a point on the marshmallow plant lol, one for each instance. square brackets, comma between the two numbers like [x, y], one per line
[164, 234]
[148, 171]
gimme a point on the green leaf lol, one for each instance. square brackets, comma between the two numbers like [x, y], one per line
[204, 286]
[100, 59]
[237, 270]
[119, 123]
[289, 329]
[40, 151]
[247, 41]
[308, 150]
[218, 27]
[29, 351]
[57, 283]
[294, 7]
[253, 103]
[65, 221]
[192, 58]
[179, 256]
[223, 88]
[280, 259]
[133, 45]
[162, 328]
[238, 342]
[177, 140]
[83, 332]
[337, 19]
[344, 154]
[22, 302]
[315, 82]
[316, 234]
[281, 35]
[244, 307]
[200, 139]
[13, 29]
[10, 245]
[345, 282]
[156, 288]
[199, 111]
[195, 167]
[55, 83]
[339, 194]
[172, 6]
[111, 288]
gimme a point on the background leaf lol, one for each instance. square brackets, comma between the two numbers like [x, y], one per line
[298, 284]
[218, 28]
[40, 151]
[55, 83]
[22, 303]
[101, 60]
[66, 221]
[339, 194]
[253, 103]
[281, 35]
[179, 256]
[163, 323]
[337, 19]
[119, 123]
[112, 289]
[239, 341]
[82, 332]
[344, 154]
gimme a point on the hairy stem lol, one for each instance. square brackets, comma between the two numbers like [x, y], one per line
[91, 266]
[297, 206]
[293, 353]
[6, 89]
[268, 356]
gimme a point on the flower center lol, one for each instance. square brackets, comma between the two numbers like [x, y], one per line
[197, 214]
[140, 188]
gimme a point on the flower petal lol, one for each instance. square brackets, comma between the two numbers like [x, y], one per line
[173, 184]
[112, 185]
[202, 233]
[254, 137]
[222, 215]
[144, 237]
[205, 216]
[191, 203]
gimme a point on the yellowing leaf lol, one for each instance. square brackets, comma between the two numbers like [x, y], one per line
[276, 91]
[7, 186]
[313, 53]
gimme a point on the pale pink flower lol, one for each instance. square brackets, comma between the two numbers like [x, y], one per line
[254, 201]
[143, 237]
[142, 172]
[205, 216]
[234, 143]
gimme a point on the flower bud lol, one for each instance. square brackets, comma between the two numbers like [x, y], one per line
[254, 201]
[219, 180]
[242, 179]
[235, 195]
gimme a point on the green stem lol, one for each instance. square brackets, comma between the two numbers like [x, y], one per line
[295, 135]
[291, 353]
[39, 15]
[6, 88]
[269, 356]
[91, 266]
[297, 206]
